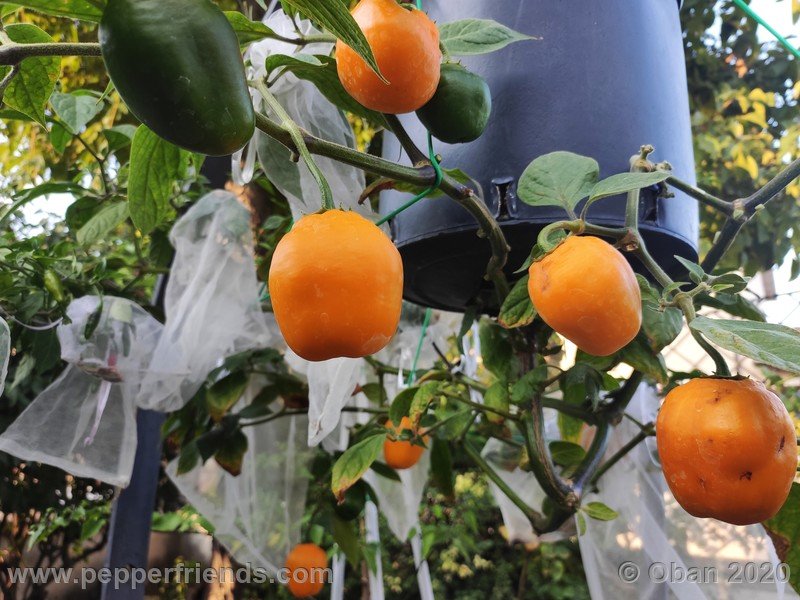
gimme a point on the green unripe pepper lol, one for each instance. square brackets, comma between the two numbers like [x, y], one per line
[178, 67]
[459, 110]
[52, 284]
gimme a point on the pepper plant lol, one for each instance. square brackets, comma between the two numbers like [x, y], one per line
[137, 181]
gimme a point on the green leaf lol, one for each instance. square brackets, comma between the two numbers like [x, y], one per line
[346, 537]
[231, 453]
[374, 392]
[660, 326]
[334, 16]
[696, 273]
[639, 355]
[83, 10]
[558, 179]
[401, 405]
[566, 454]
[733, 304]
[75, 110]
[246, 30]
[599, 511]
[498, 354]
[775, 345]
[623, 183]
[442, 467]
[221, 396]
[469, 37]
[784, 529]
[106, 219]
[517, 309]
[496, 397]
[321, 71]
[60, 137]
[424, 396]
[154, 168]
[31, 87]
[354, 462]
[581, 523]
[188, 458]
[119, 136]
[527, 385]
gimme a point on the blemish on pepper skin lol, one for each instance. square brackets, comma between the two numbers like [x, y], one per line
[702, 483]
[783, 443]
[746, 475]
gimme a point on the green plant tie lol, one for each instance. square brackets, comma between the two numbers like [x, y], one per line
[412, 375]
[758, 19]
[439, 176]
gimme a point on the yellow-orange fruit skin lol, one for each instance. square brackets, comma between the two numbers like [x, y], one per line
[727, 448]
[587, 292]
[406, 47]
[311, 560]
[336, 285]
[401, 454]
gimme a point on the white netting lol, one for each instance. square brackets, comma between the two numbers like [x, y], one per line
[211, 303]
[311, 110]
[655, 539]
[5, 352]
[121, 358]
[85, 422]
[256, 515]
[331, 384]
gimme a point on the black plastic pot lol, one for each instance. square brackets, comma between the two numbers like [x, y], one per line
[605, 78]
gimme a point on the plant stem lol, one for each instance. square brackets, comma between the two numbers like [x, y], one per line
[614, 410]
[300, 145]
[483, 407]
[591, 462]
[13, 53]
[532, 515]
[541, 461]
[702, 196]
[748, 206]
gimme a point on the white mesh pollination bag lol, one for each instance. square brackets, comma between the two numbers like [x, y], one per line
[121, 358]
[211, 302]
[85, 421]
[256, 515]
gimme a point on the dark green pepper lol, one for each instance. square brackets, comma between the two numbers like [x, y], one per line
[178, 67]
[460, 109]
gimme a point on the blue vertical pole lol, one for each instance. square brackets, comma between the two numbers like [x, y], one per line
[131, 516]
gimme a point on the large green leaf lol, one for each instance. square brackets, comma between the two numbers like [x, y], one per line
[354, 463]
[774, 345]
[84, 10]
[477, 36]
[106, 219]
[558, 179]
[625, 182]
[154, 168]
[334, 16]
[30, 88]
[76, 109]
[321, 71]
